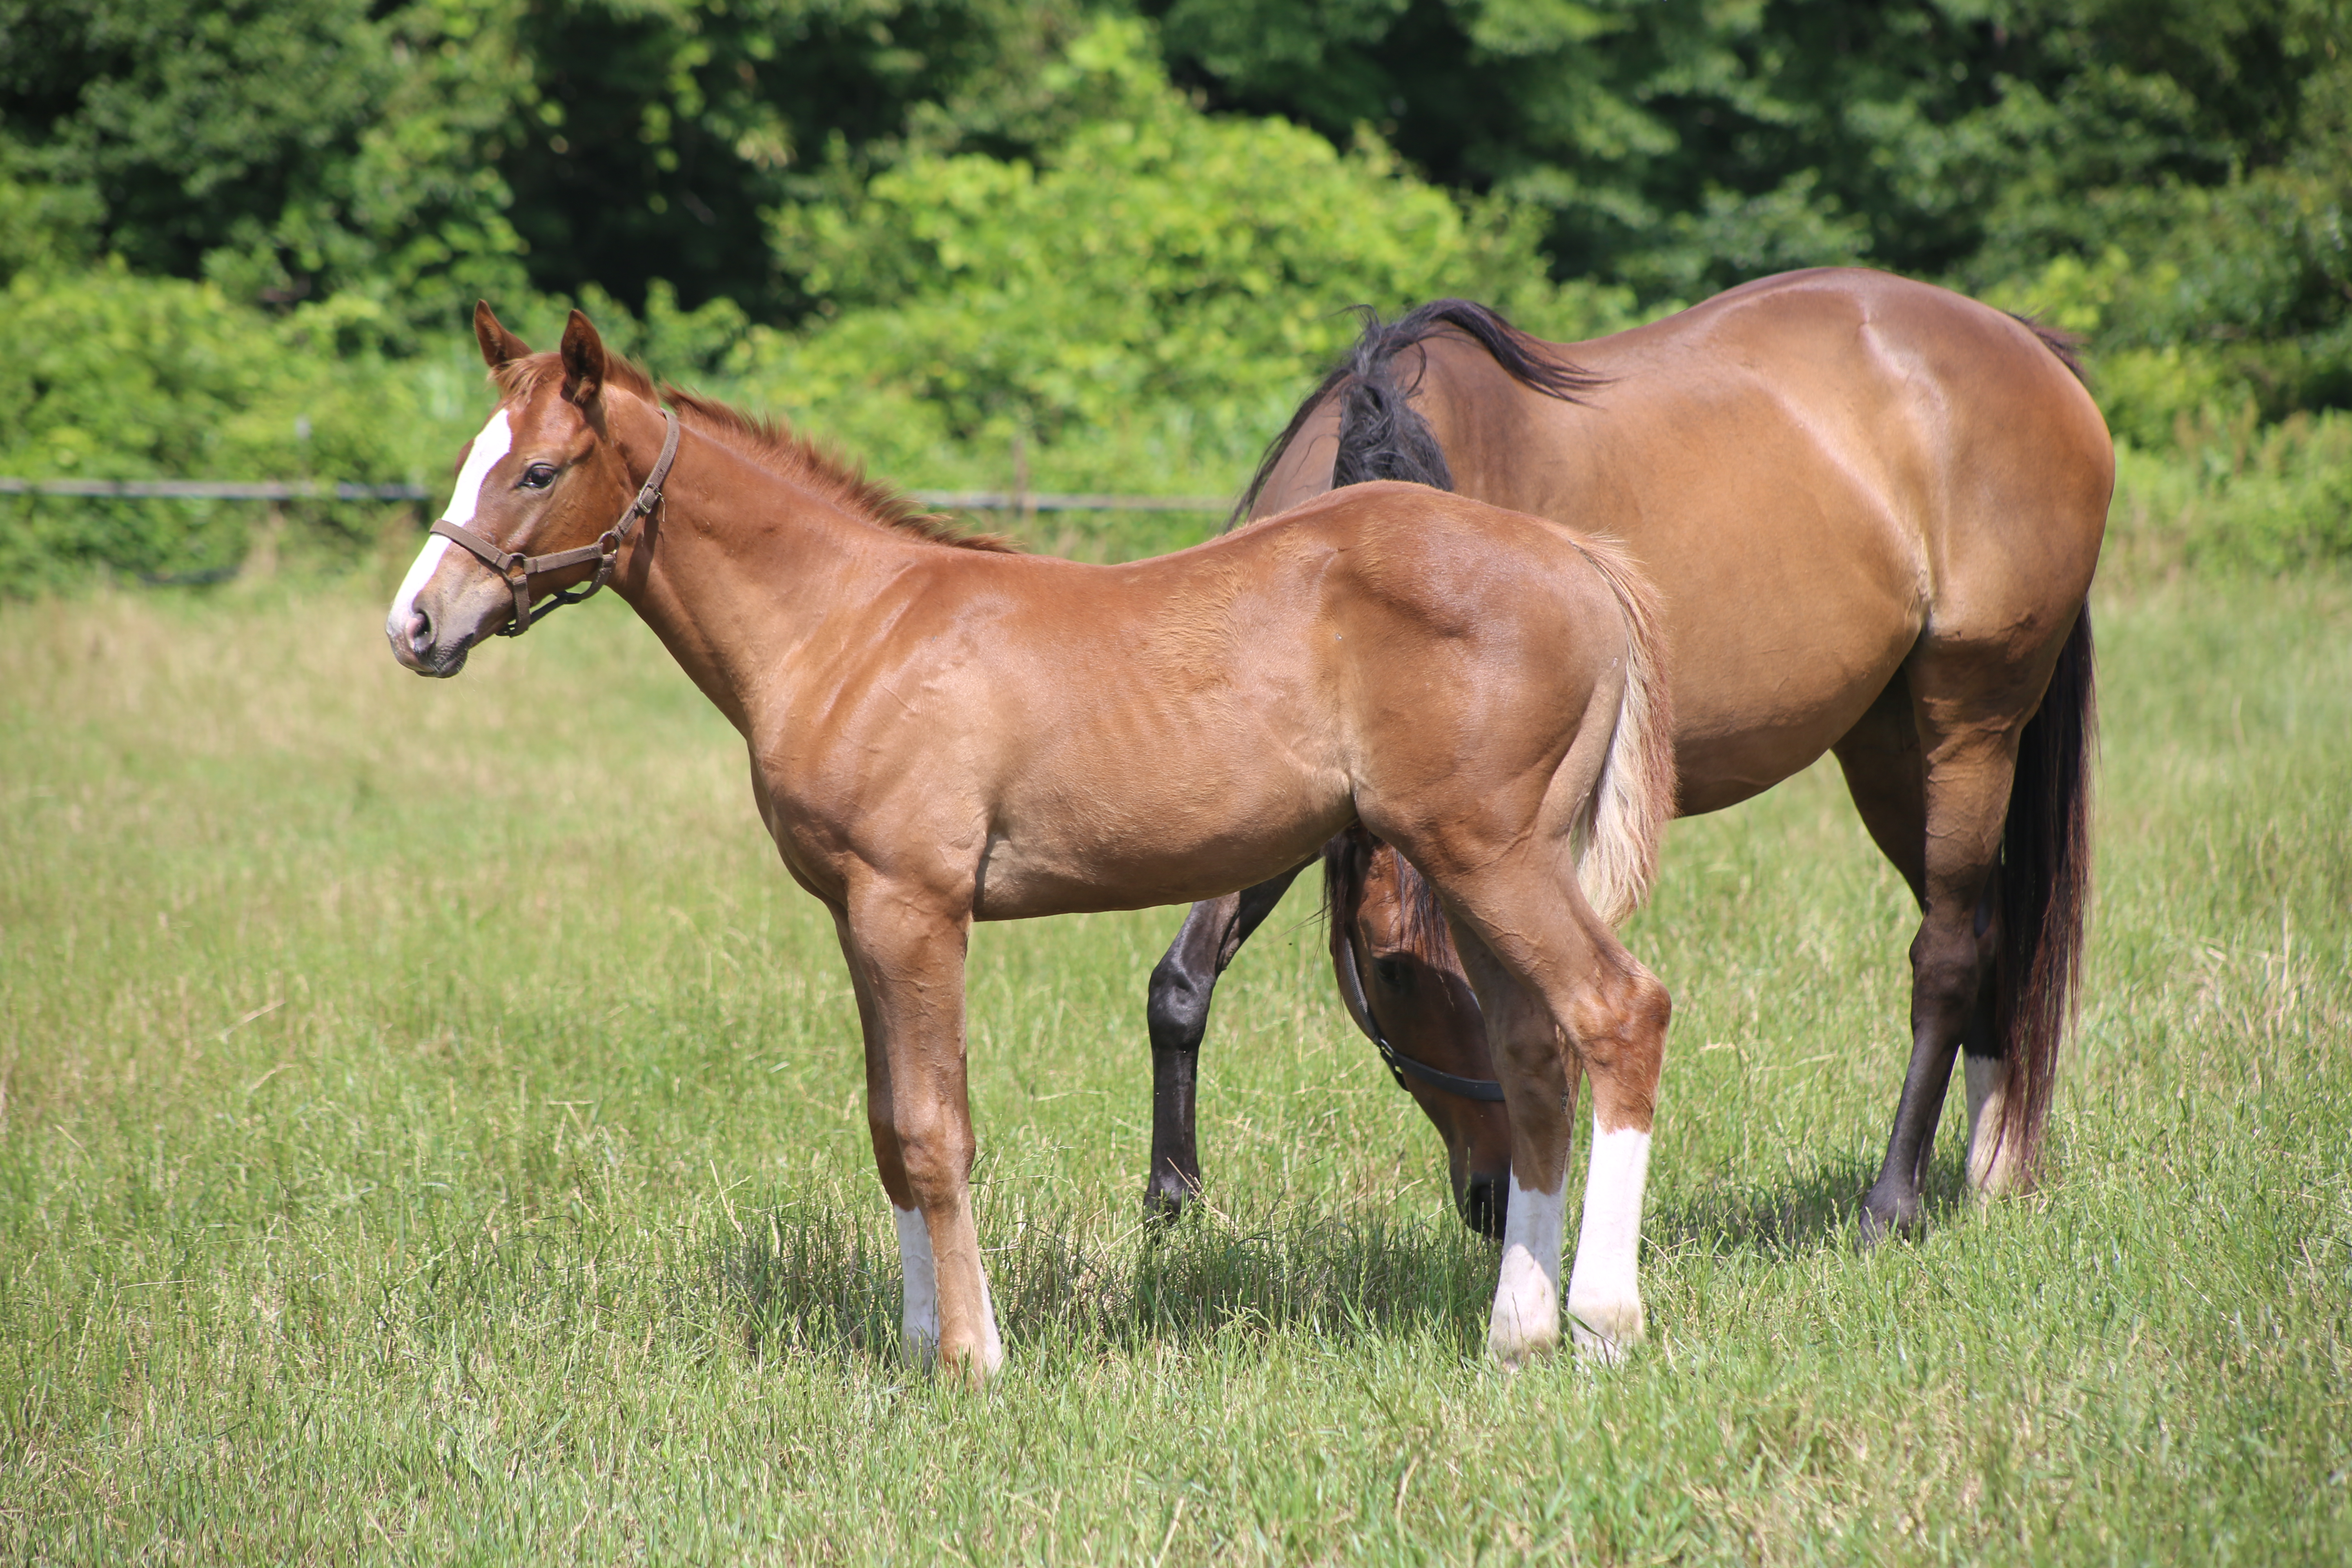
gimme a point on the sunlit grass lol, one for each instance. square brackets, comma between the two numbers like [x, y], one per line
[432, 1129]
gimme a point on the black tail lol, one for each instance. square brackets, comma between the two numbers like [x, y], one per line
[2067, 346]
[1381, 436]
[2045, 881]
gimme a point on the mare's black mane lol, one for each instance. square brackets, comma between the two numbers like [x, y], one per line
[1381, 436]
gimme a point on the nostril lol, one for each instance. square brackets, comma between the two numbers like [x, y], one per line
[420, 631]
[1483, 1200]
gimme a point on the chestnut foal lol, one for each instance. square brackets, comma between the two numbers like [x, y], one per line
[942, 730]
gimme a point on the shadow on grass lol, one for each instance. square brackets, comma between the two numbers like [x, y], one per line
[810, 1279]
[804, 1279]
[1813, 1208]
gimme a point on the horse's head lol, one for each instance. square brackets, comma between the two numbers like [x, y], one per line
[1404, 985]
[537, 493]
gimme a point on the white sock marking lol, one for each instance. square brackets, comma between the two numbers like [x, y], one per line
[1604, 1290]
[918, 1320]
[1526, 1319]
[1992, 1164]
[495, 441]
[992, 1344]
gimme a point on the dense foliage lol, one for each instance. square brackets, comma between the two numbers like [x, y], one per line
[1122, 235]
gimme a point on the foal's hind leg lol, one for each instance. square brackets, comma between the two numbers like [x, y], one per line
[1560, 993]
[1538, 1092]
[1931, 780]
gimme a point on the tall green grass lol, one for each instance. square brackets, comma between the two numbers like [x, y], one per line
[432, 1132]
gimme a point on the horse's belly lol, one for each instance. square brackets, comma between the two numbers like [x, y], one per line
[1083, 860]
[1768, 684]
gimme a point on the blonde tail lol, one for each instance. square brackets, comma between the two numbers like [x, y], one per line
[1622, 820]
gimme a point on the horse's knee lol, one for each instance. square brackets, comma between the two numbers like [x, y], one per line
[1176, 1006]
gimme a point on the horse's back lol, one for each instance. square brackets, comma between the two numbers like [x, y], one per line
[1464, 617]
[1915, 407]
[1816, 470]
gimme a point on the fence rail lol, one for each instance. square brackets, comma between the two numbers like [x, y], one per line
[210, 490]
[307, 490]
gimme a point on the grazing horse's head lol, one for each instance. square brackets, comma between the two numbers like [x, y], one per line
[541, 480]
[1404, 985]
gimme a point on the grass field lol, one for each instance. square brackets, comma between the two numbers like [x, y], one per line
[432, 1132]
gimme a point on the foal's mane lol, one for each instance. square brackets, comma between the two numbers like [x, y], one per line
[769, 443]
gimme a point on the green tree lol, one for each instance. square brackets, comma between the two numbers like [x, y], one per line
[287, 148]
[427, 151]
[1155, 263]
[1683, 145]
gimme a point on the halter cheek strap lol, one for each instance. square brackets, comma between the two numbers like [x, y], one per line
[1351, 991]
[518, 569]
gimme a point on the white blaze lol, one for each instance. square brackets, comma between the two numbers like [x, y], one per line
[1604, 1292]
[1527, 1295]
[496, 440]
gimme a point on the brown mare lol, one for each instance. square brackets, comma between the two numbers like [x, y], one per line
[1872, 509]
[943, 732]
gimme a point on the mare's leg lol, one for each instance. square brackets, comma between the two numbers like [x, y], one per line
[1553, 979]
[905, 960]
[1886, 776]
[1993, 1162]
[1178, 1013]
[1931, 777]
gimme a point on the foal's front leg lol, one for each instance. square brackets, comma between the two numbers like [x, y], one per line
[1579, 1001]
[906, 957]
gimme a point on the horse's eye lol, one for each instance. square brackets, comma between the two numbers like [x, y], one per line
[1392, 972]
[538, 476]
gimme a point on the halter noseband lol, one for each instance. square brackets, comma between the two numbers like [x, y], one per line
[1351, 991]
[517, 569]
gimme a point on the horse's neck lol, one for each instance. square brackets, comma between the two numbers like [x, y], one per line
[743, 565]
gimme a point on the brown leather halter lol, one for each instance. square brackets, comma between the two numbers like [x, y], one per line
[1351, 991]
[517, 569]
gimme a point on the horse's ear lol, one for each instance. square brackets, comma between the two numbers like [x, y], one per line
[583, 361]
[499, 345]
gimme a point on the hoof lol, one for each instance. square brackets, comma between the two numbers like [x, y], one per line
[1603, 1331]
[1513, 1353]
[1166, 1198]
[1994, 1172]
[973, 1368]
[1883, 1219]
